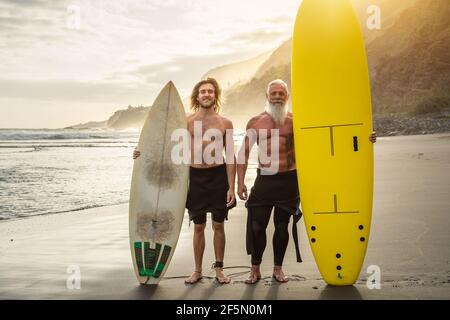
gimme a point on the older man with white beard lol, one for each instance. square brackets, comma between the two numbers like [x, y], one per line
[271, 189]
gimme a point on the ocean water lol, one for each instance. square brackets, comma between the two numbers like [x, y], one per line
[53, 171]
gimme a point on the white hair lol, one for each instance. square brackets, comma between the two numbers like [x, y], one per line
[280, 82]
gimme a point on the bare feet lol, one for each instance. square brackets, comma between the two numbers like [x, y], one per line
[220, 277]
[278, 275]
[194, 278]
[255, 275]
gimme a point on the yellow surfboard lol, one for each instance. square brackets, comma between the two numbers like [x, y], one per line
[332, 124]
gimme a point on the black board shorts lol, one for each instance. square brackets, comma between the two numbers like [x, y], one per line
[207, 192]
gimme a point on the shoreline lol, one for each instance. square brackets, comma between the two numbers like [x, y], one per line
[379, 138]
[408, 242]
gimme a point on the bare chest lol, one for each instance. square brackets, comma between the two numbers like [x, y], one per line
[206, 128]
[267, 129]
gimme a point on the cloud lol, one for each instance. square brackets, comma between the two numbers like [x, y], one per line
[284, 19]
[18, 21]
[72, 90]
[259, 40]
[23, 23]
[27, 3]
[256, 36]
[185, 71]
[125, 51]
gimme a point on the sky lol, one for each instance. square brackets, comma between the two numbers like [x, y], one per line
[66, 62]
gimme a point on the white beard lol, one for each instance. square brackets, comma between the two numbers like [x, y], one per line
[278, 113]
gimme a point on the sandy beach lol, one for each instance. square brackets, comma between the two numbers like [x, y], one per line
[409, 243]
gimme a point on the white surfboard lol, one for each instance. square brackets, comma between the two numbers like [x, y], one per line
[158, 189]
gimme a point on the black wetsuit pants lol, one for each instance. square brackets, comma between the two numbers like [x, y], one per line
[260, 219]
